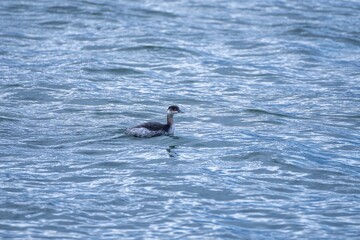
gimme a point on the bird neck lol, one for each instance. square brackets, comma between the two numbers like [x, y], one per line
[170, 119]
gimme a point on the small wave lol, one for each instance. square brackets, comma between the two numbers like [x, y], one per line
[155, 13]
[229, 71]
[99, 47]
[263, 112]
[54, 23]
[155, 48]
[21, 36]
[116, 71]
[245, 45]
[8, 119]
[63, 9]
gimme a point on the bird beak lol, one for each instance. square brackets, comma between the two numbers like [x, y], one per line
[180, 111]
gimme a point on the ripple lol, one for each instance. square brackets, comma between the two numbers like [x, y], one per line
[163, 49]
[263, 112]
[63, 9]
[55, 23]
[116, 71]
[8, 119]
[154, 13]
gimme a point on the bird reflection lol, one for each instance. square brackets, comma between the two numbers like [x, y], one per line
[171, 151]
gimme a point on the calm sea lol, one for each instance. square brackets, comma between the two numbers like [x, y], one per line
[269, 146]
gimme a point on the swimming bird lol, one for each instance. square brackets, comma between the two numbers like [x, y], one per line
[153, 129]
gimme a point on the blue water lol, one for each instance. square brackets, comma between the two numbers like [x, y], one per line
[268, 147]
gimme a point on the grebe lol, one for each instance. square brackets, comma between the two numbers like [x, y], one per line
[152, 129]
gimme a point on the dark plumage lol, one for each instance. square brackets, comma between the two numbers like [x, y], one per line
[153, 126]
[152, 129]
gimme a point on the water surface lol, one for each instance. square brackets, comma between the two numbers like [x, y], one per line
[268, 147]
